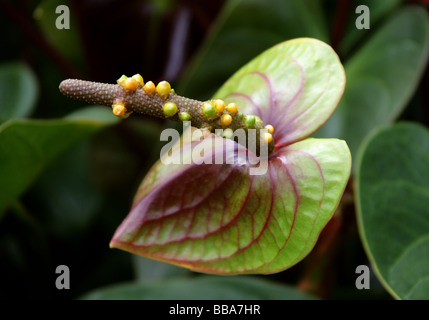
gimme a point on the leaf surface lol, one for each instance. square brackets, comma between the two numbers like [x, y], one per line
[18, 91]
[381, 77]
[28, 146]
[200, 288]
[392, 203]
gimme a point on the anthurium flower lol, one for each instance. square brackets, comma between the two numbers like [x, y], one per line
[219, 217]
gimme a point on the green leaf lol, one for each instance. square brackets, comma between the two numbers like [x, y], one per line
[378, 10]
[66, 194]
[200, 288]
[91, 114]
[18, 91]
[27, 146]
[381, 77]
[148, 270]
[243, 30]
[392, 184]
[66, 41]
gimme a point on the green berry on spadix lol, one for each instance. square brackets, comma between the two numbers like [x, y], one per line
[184, 116]
[209, 109]
[249, 121]
[170, 109]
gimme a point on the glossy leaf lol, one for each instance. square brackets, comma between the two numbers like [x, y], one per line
[18, 91]
[221, 218]
[381, 77]
[66, 194]
[148, 270]
[378, 10]
[200, 288]
[392, 202]
[243, 30]
[27, 146]
[66, 41]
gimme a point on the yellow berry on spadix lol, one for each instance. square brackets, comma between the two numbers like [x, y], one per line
[232, 108]
[267, 137]
[130, 84]
[163, 89]
[122, 79]
[139, 79]
[219, 105]
[226, 120]
[120, 111]
[270, 128]
[149, 88]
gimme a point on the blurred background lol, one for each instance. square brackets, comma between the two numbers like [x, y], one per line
[66, 187]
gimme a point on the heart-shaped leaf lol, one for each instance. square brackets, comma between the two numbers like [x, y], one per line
[381, 77]
[200, 288]
[18, 91]
[27, 146]
[392, 202]
[221, 218]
